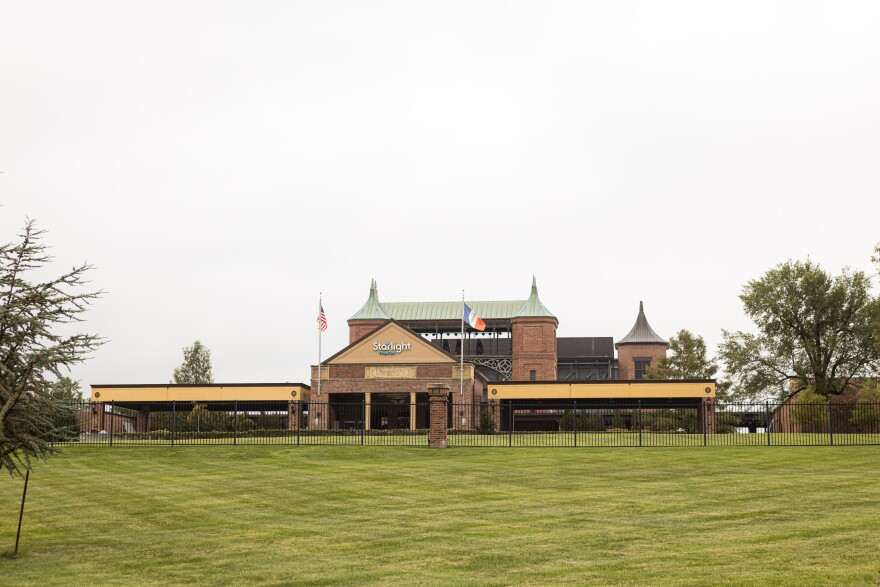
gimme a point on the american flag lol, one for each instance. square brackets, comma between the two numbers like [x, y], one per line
[322, 318]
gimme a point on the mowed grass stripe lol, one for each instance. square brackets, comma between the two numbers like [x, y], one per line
[371, 515]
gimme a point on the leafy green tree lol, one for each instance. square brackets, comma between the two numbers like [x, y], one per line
[812, 329]
[67, 394]
[688, 360]
[196, 366]
[200, 415]
[36, 347]
[66, 390]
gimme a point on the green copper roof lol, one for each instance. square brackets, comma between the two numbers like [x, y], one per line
[372, 310]
[533, 305]
[487, 310]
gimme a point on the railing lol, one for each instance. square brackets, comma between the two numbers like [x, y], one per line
[272, 422]
[642, 424]
[504, 424]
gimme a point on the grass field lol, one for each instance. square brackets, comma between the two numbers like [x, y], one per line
[372, 515]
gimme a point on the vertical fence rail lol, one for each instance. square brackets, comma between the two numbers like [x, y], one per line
[705, 425]
[639, 419]
[830, 425]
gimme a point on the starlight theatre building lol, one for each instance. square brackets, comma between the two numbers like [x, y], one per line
[399, 351]
[400, 354]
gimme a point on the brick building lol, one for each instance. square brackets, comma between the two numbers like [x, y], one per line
[401, 353]
[398, 350]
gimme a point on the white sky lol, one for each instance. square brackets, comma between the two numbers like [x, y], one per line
[222, 162]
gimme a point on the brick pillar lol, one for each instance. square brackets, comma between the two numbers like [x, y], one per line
[294, 414]
[319, 412]
[143, 420]
[707, 407]
[494, 408]
[101, 415]
[438, 396]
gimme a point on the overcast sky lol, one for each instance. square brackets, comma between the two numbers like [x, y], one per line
[220, 163]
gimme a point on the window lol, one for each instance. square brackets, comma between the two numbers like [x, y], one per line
[642, 365]
[531, 375]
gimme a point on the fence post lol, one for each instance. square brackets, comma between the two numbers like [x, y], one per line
[830, 425]
[510, 423]
[639, 408]
[363, 419]
[298, 413]
[112, 419]
[575, 423]
[767, 419]
[173, 419]
[235, 425]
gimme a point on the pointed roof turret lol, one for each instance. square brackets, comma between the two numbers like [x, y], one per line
[372, 310]
[641, 332]
[533, 306]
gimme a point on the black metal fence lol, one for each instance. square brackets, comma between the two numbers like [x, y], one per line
[645, 424]
[510, 424]
[269, 422]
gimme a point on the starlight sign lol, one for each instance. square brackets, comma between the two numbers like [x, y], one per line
[391, 348]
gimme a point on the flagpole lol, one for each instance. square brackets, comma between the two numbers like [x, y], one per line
[320, 306]
[461, 370]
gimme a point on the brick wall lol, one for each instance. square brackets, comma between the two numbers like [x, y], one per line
[358, 329]
[434, 371]
[346, 372]
[627, 354]
[534, 348]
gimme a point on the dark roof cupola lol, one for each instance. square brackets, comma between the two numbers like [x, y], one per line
[641, 332]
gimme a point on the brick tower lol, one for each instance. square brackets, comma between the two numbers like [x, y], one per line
[640, 349]
[370, 317]
[533, 329]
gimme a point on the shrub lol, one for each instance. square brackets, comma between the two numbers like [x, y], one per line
[487, 423]
[810, 411]
[866, 413]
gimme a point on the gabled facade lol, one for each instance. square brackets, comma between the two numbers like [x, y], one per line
[389, 369]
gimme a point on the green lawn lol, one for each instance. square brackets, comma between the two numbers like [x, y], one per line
[397, 515]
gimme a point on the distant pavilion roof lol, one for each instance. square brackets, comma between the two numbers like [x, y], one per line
[641, 332]
[487, 310]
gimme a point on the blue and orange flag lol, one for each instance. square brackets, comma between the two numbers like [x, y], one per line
[473, 320]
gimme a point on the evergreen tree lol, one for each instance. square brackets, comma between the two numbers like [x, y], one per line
[33, 353]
